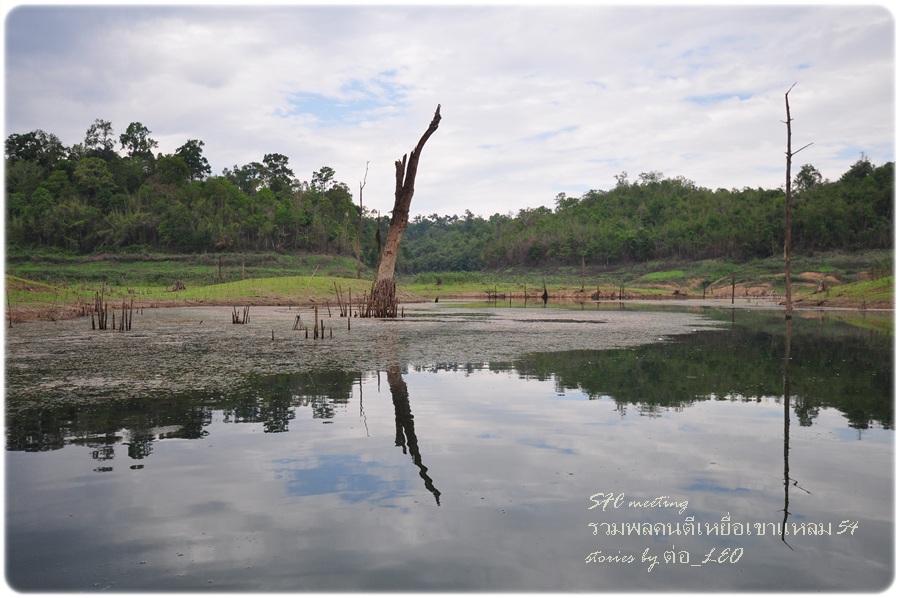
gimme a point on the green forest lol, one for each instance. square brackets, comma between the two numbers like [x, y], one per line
[114, 194]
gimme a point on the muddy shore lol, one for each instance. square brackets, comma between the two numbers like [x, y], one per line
[17, 315]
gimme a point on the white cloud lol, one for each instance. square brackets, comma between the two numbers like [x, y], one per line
[535, 100]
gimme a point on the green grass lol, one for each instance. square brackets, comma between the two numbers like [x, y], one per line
[162, 270]
[51, 278]
[281, 289]
[47, 277]
[869, 291]
[665, 276]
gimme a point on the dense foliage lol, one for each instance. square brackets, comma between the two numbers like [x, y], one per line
[660, 218]
[88, 198]
[91, 197]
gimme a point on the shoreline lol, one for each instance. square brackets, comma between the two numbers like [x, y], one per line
[25, 314]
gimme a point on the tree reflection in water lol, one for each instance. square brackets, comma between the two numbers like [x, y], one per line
[787, 425]
[787, 429]
[406, 432]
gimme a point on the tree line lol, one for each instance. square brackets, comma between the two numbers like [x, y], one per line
[655, 217]
[113, 193]
[89, 197]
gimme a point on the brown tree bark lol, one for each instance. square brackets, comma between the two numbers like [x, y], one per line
[383, 298]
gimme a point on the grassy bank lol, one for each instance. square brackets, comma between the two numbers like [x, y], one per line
[163, 270]
[52, 285]
[57, 283]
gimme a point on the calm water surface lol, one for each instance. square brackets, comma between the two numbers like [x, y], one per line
[608, 449]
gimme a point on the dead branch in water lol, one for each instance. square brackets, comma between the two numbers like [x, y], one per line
[241, 318]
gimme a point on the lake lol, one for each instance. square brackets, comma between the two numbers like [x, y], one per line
[483, 447]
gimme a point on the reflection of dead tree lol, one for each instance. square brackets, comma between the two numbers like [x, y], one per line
[787, 431]
[787, 426]
[362, 413]
[406, 433]
[383, 299]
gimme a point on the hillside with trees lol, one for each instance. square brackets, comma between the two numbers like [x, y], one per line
[113, 194]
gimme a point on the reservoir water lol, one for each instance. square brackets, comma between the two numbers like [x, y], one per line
[460, 448]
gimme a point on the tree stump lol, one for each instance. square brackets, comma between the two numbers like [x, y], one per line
[383, 301]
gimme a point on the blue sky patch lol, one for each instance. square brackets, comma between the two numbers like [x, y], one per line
[356, 100]
[549, 134]
[851, 154]
[329, 111]
[711, 486]
[344, 475]
[543, 445]
[715, 98]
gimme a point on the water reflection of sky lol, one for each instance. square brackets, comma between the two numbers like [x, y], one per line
[346, 476]
[461, 478]
[341, 506]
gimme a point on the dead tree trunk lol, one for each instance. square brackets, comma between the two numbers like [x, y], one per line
[383, 299]
[788, 307]
[362, 184]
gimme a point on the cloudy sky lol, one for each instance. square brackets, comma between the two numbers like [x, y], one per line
[536, 99]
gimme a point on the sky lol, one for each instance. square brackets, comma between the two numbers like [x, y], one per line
[536, 99]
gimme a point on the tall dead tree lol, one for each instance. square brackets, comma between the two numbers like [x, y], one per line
[788, 307]
[362, 185]
[383, 298]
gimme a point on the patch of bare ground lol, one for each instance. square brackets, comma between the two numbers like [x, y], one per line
[17, 315]
[843, 304]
